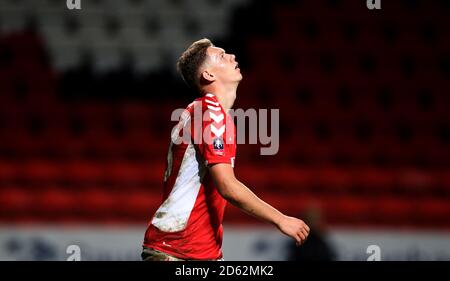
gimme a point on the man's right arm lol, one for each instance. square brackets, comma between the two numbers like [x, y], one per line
[242, 197]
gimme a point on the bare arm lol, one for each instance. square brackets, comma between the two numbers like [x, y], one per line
[242, 197]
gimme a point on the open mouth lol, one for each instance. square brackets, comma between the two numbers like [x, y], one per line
[237, 66]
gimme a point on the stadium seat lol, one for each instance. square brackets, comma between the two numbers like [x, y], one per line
[364, 123]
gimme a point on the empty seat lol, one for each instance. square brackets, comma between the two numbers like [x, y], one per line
[14, 200]
[84, 172]
[41, 171]
[139, 204]
[53, 202]
[95, 204]
[434, 212]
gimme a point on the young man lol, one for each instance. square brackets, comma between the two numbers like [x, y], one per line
[199, 177]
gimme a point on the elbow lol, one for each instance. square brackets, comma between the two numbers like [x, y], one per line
[227, 191]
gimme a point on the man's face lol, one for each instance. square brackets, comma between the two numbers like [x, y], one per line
[222, 65]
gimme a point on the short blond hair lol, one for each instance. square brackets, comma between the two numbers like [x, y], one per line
[190, 61]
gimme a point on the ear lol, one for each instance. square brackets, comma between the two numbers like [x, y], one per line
[208, 76]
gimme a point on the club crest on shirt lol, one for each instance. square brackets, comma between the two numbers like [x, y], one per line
[218, 146]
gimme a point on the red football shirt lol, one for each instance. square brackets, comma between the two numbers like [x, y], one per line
[188, 224]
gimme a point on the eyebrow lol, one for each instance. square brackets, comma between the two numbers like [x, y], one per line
[222, 51]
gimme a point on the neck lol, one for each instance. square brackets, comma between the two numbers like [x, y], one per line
[225, 95]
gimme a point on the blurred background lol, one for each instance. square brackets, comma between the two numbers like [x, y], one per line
[86, 98]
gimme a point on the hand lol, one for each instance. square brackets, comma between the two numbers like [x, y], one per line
[295, 228]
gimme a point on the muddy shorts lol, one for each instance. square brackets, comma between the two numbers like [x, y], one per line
[149, 254]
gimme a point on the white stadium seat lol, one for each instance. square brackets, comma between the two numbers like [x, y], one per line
[154, 32]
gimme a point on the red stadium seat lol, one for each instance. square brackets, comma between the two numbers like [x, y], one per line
[14, 200]
[41, 171]
[139, 205]
[96, 205]
[433, 212]
[52, 203]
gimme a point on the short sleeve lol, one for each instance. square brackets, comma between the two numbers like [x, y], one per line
[216, 139]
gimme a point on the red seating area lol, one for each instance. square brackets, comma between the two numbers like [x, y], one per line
[362, 133]
[363, 109]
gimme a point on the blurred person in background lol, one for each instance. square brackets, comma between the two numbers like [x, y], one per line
[317, 248]
[199, 177]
